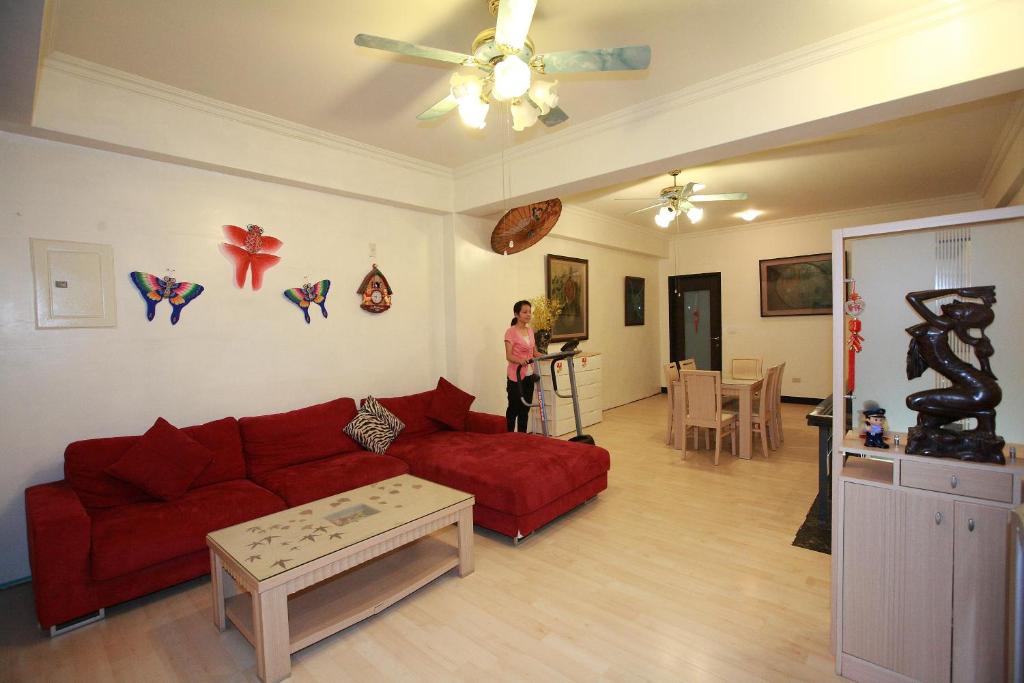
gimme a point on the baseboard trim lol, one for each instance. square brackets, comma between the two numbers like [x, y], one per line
[806, 400]
[15, 582]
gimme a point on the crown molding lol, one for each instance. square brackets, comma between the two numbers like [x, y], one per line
[1012, 130]
[84, 69]
[864, 211]
[616, 222]
[936, 12]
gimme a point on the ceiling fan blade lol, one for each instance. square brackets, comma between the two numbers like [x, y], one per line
[439, 109]
[637, 199]
[646, 208]
[717, 197]
[514, 17]
[554, 117]
[599, 59]
[403, 48]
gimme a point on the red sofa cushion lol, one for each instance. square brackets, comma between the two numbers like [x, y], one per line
[450, 405]
[274, 441]
[85, 462]
[140, 535]
[164, 462]
[513, 472]
[300, 484]
[412, 410]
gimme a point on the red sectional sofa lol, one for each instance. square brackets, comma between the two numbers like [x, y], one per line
[95, 540]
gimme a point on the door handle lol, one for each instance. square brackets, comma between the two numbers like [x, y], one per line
[970, 525]
[954, 481]
[716, 339]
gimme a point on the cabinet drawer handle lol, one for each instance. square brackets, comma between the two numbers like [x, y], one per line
[970, 525]
[954, 481]
[938, 518]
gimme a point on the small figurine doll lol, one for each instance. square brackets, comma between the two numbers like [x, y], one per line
[874, 435]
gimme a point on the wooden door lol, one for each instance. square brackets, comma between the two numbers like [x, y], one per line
[924, 581]
[695, 319]
[868, 580]
[979, 593]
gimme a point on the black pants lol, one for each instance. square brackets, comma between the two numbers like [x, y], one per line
[516, 411]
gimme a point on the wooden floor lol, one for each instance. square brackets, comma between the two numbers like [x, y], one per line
[680, 571]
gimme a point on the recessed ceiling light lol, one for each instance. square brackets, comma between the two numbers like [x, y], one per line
[750, 214]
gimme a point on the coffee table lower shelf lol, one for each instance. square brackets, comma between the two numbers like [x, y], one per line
[341, 601]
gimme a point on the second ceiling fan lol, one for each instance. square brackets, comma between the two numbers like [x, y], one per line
[506, 62]
[677, 199]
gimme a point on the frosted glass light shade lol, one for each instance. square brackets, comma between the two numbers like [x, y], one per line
[543, 95]
[695, 214]
[665, 216]
[524, 114]
[511, 78]
[468, 92]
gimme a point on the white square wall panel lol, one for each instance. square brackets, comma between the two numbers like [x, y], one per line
[74, 284]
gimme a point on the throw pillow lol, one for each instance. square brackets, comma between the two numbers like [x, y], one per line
[163, 462]
[374, 426]
[450, 405]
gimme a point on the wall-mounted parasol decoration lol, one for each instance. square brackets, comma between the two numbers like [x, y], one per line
[309, 294]
[250, 249]
[376, 292]
[154, 290]
[524, 226]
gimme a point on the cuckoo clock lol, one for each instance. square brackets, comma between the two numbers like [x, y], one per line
[375, 291]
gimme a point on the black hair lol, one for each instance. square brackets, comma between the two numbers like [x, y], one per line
[518, 307]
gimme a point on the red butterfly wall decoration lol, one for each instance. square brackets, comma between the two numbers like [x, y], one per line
[250, 248]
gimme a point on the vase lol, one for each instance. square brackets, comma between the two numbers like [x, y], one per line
[542, 339]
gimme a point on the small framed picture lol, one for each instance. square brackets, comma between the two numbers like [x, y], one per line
[568, 283]
[634, 301]
[797, 285]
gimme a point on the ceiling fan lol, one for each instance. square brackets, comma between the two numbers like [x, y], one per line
[677, 199]
[505, 62]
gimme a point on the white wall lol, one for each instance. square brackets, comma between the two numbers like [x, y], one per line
[233, 352]
[803, 342]
[488, 284]
[887, 268]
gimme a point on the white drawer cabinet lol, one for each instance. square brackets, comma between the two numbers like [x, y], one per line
[558, 410]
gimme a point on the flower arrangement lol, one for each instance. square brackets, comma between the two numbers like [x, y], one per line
[545, 312]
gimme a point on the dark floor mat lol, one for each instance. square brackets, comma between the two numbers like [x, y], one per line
[815, 534]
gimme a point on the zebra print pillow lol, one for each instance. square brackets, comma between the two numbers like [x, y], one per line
[374, 427]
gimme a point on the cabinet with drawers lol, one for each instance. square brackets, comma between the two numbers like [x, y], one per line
[558, 410]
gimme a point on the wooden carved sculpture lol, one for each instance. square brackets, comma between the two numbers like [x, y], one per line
[974, 392]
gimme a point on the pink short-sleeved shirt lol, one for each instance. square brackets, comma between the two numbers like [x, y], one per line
[522, 347]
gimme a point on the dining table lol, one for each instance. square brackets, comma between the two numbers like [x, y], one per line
[744, 390]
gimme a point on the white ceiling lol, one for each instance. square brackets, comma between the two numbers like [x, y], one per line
[939, 154]
[297, 61]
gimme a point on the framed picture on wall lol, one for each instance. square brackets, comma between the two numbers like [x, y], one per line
[797, 285]
[567, 283]
[634, 301]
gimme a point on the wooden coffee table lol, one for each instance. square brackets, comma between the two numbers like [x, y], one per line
[312, 570]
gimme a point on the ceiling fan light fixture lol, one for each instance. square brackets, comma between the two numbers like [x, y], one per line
[468, 91]
[749, 214]
[511, 78]
[665, 216]
[524, 114]
[695, 214]
[697, 187]
[543, 95]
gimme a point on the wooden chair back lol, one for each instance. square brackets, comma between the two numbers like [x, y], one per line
[702, 397]
[769, 389]
[746, 368]
[672, 372]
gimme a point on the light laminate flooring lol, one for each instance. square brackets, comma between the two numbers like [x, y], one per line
[679, 571]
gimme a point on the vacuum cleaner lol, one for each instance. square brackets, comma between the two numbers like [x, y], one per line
[566, 353]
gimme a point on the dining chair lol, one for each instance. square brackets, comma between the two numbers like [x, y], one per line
[746, 368]
[701, 406]
[777, 400]
[672, 375]
[763, 421]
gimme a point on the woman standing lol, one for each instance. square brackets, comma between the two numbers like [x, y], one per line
[520, 349]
